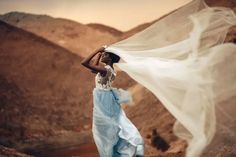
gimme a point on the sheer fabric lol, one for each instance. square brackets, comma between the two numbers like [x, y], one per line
[183, 61]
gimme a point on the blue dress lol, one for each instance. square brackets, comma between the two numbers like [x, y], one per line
[113, 133]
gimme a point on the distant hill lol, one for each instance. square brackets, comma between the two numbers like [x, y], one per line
[105, 29]
[76, 37]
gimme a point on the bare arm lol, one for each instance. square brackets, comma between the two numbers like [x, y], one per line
[97, 62]
[94, 67]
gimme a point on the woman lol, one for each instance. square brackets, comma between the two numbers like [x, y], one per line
[113, 133]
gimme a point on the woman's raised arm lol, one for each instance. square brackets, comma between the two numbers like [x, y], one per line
[94, 67]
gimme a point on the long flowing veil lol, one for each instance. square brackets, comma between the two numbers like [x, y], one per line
[183, 61]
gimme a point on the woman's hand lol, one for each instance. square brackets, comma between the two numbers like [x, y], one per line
[105, 46]
[100, 52]
[101, 49]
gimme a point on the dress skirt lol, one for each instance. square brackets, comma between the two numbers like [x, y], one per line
[113, 133]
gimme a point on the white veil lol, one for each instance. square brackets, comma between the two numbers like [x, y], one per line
[183, 61]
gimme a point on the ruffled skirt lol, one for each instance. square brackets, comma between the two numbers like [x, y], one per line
[113, 133]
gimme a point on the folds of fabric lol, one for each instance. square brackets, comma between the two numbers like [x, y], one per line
[114, 134]
[183, 61]
[122, 96]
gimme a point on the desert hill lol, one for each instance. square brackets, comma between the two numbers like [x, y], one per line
[76, 37]
[105, 29]
[45, 94]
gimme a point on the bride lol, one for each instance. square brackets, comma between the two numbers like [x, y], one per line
[113, 132]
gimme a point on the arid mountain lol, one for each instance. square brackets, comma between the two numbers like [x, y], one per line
[76, 37]
[46, 95]
[105, 29]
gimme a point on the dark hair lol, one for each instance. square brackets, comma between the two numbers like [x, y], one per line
[115, 58]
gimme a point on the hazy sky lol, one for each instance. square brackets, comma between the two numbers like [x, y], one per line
[120, 14]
